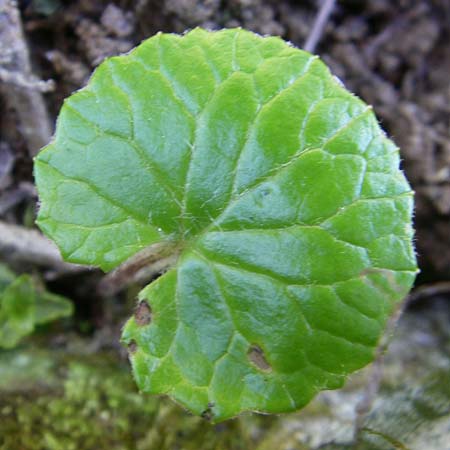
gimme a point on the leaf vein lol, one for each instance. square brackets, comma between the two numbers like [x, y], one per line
[99, 192]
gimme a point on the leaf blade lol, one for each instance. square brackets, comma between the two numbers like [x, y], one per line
[279, 190]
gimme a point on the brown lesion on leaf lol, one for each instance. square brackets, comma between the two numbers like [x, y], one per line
[208, 413]
[388, 276]
[143, 313]
[256, 356]
[132, 346]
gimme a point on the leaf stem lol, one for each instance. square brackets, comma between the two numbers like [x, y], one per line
[140, 268]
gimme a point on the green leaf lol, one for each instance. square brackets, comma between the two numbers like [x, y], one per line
[6, 278]
[24, 303]
[16, 311]
[50, 307]
[276, 187]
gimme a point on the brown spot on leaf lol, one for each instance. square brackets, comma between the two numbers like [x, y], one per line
[143, 313]
[132, 346]
[388, 276]
[208, 414]
[256, 356]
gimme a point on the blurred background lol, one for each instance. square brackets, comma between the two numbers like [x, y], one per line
[64, 378]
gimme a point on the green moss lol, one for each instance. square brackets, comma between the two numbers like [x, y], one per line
[54, 399]
[67, 398]
[95, 407]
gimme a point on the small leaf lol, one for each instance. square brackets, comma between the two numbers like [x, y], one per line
[24, 303]
[6, 278]
[276, 187]
[16, 311]
[50, 307]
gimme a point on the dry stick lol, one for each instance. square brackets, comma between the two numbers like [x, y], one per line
[319, 25]
[20, 95]
[21, 81]
[10, 198]
[27, 245]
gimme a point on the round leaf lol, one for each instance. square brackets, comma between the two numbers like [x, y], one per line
[279, 192]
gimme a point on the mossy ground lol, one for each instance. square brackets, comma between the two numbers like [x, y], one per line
[52, 400]
[67, 398]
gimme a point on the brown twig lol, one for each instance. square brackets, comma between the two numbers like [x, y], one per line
[319, 25]
[20, 80]
[21, 89]
[21, 244]
[7, 159]
[12, 197]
